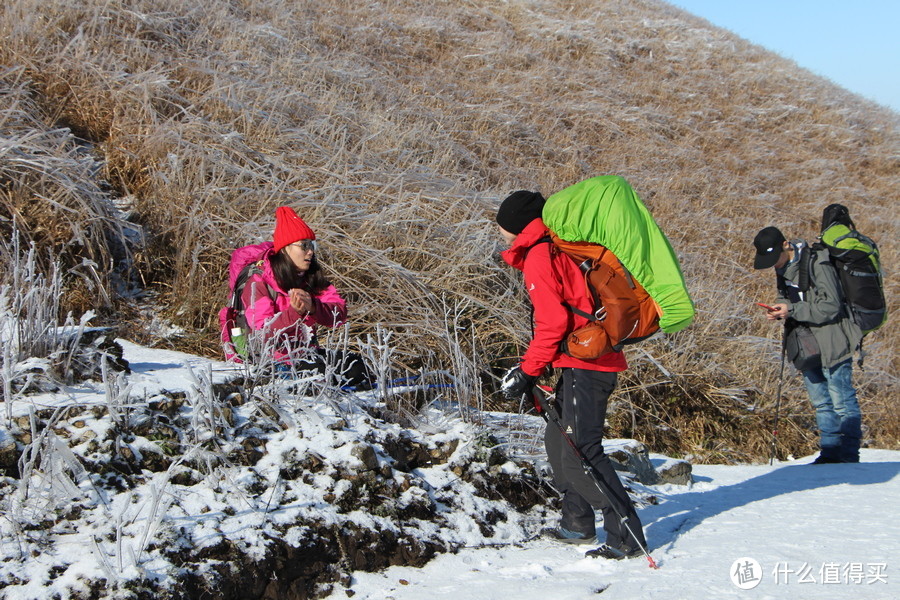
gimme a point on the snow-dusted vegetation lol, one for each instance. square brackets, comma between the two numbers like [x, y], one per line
[156, 474]
[172, 481]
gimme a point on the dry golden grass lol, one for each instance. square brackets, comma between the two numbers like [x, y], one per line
[395, 129]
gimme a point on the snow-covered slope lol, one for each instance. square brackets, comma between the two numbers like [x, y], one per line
[169, 478]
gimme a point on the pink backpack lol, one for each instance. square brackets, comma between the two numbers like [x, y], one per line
[245, 261]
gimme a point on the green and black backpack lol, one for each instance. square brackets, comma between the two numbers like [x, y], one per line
[856, 258]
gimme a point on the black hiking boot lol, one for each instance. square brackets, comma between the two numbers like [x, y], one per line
[613, 553]
[826, 460]
[566, 536]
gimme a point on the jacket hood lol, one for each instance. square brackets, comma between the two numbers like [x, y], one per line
[531, 235]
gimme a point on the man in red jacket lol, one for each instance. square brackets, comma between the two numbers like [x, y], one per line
[553, 280]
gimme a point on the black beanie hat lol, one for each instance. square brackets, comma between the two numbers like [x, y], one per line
[519, 209]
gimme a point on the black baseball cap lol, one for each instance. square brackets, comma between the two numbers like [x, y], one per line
[769, 243]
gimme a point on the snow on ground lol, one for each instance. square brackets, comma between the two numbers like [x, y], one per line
[823, 532]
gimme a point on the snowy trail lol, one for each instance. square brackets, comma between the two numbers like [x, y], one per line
[824, 532]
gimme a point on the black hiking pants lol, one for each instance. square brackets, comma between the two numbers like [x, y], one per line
[347, 368]
[582, 398]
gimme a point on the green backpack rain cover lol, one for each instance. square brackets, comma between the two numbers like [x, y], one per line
[605, 210]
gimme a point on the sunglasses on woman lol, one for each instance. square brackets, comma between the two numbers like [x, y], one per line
[305, 245]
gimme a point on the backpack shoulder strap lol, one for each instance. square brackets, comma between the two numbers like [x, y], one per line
[254, 268]
[585, 266]
[805, 278]
[816, 250]
[546, 239]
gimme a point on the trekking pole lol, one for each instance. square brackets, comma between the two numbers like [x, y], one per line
[551, 415]
[777, 406]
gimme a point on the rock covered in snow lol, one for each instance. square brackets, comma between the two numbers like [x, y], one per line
[633, 457]
[675, 470]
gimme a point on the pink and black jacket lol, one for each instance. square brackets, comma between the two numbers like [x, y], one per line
[268, 309]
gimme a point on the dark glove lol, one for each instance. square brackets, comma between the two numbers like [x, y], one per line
[516, 383]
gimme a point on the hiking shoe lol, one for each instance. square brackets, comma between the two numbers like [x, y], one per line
[567, 536]
[826, 460]
[611, 553]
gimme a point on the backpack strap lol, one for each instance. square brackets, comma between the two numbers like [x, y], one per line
[546, 239]
[599, 311]
[585, 267]
[805, 279]
[237, 303]
[589, 316]
[808, 279]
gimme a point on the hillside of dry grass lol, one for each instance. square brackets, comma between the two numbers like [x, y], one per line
[142, 140]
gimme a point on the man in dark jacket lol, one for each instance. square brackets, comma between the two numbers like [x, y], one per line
[553, 280]
[821, 307]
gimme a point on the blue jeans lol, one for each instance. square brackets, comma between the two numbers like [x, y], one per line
[837, 410]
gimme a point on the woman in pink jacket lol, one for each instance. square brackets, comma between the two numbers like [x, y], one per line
[288, 297]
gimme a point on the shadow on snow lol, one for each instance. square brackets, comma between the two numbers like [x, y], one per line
[682, 512]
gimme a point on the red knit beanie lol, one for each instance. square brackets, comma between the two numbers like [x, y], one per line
[290, 228]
